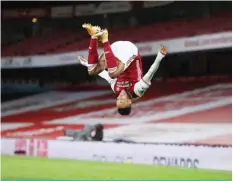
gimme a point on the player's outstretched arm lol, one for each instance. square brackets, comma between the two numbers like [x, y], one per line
[154, 67]
[141, 86]
[98, 68]
[102, 73]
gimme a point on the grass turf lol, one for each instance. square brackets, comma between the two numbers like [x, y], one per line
[20, 167]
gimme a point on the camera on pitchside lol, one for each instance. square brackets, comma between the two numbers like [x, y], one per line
[88, 133]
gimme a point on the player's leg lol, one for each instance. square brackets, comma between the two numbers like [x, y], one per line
[92, 55]
[109, 56]
[93, 63]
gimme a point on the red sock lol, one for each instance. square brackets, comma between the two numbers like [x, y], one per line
[92, 54]
[110, 58]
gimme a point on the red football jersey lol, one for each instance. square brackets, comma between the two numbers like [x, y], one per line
[127, 80]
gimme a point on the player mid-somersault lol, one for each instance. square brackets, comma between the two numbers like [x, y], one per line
[123, 64]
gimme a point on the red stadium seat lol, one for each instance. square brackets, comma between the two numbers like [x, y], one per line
[70, 40]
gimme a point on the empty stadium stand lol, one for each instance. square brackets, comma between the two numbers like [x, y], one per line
[180, 106]
[71, 40]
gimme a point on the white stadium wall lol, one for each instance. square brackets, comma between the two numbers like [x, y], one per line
[217, 158]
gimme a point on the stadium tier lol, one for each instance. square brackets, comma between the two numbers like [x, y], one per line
[71, 40]
[183, 106]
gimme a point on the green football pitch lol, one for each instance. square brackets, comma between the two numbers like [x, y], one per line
[20, 167]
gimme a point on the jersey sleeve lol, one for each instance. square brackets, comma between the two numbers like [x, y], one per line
[105, 75]
[140, 87]
[125, 51]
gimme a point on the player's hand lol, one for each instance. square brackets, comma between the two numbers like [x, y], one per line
[83, 61]
[163, 50]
